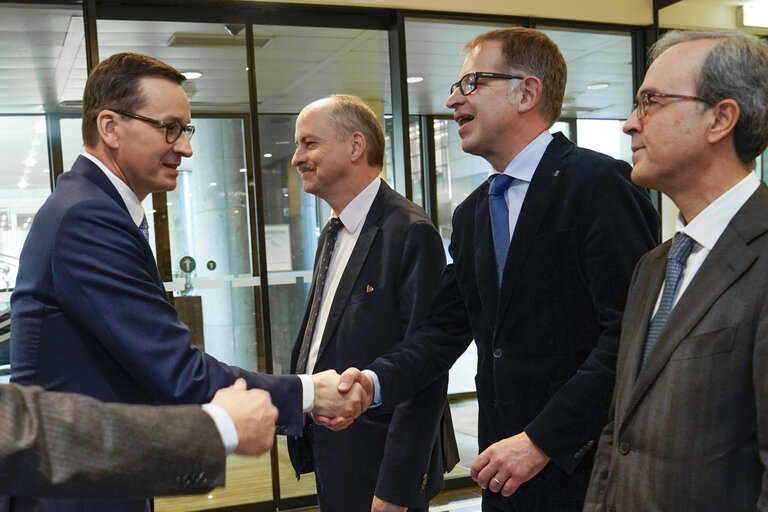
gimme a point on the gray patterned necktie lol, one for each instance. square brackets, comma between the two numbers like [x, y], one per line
[682, 245]
[144, 228]
[317, 296]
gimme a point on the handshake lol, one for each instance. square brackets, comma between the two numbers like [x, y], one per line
[339, 399]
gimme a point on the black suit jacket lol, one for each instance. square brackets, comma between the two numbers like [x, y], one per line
[90, 314]
[547, 339]
[385, 291]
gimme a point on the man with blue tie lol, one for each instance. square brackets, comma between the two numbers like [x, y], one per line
[89, 311]
[542, 255]
[688, 428]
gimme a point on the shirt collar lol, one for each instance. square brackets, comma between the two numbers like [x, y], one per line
[525, 163]
[708, 225]
[357, 210]
[129, 198]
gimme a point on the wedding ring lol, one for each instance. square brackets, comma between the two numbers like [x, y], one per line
[501, 484]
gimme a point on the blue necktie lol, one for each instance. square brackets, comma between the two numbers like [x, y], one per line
[499, 218]
[144, 228]
[317, 297]
[682, 245]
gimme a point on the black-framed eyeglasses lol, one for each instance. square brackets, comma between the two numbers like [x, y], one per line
[468, 83]
[646, 99]
[173, 130]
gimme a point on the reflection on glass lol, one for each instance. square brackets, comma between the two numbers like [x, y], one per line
[205, 48]
[605, 136]
[42, 58]
[417, 173]
[24, 186]
[208, 222]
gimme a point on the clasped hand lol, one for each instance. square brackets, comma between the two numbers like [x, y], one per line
[339, 399]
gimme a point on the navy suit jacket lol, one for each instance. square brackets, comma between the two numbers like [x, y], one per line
[547, 338]
[90, 314]
[385, 291]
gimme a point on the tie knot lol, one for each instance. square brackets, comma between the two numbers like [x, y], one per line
[335, 227]
[682, 245]
[500, 182]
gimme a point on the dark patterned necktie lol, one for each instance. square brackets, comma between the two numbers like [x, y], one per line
[317, 296]
[682, 245]
[144, 228]
[499, 218]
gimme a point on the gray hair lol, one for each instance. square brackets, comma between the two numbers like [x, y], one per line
[736, 68]
[349, 114]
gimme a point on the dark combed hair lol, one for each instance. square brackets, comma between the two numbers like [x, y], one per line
[114, 85]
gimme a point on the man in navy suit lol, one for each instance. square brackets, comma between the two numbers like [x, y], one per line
[383, 270]
[89, 312]
[540, 287]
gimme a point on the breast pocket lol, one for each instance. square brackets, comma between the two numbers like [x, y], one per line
[367, 296]
[706, 345]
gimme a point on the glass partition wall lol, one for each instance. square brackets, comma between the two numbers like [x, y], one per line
[236, 240]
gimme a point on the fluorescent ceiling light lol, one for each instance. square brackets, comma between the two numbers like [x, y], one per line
[414, 79]
[754, 14]
[598, 86]
[191, 75]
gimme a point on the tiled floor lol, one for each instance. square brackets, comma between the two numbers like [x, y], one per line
[460, 500]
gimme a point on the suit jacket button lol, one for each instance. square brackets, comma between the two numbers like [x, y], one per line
[625, 448]
[497, 353]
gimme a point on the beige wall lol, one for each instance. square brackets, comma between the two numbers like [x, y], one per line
[630, 12]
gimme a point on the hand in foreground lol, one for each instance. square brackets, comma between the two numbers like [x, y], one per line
[379, 505]
[253, 414]
[333, 403]
[507, 464]
[349, 381]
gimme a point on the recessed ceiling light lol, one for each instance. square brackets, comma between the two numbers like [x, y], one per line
[191, 75]
[598, 85]
[414, 79]
[267, 155]
[212, 184]
[243, 170]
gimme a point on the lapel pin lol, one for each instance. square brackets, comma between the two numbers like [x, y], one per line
[557, 173]
[368, 289]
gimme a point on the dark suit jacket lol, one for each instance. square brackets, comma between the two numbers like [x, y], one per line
[90, 314]
[547, 340]
[54, 444]
[400, 255]
[690, 428]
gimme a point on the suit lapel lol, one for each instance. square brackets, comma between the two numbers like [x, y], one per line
[355, 264]
[537, 199]
[636, 327]
[485, 257]
[726, 263]
[297, 344]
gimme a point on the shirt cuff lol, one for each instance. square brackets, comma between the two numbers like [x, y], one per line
[376, 388]
[308, 393]
[225, 426]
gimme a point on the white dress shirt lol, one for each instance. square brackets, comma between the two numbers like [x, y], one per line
[707, 227]
[521, 168]
[353, 217]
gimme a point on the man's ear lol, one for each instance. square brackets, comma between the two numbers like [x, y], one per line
[107, 123]
[726, 115]
[530, 90]
[358, 146]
